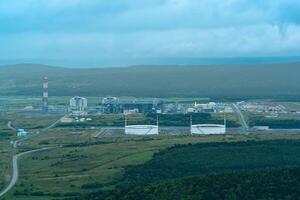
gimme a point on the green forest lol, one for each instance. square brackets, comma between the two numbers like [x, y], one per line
[235, 170]
[164, 120]
[214, 81]
[275, 123]
[264, 185]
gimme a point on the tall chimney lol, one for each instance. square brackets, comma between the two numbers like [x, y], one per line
[45, 94]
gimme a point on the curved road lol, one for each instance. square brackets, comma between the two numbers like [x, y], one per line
[9, 125]
[15, 175]
[15, 158]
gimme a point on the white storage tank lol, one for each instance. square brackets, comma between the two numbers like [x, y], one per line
[208, 129]
[141, 130]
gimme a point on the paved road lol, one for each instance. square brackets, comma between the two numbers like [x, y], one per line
[15, 175]
[15, 158]
[9, 125]
[54, 124]
[241, 116]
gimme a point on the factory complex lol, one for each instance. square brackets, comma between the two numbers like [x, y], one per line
[114, 105]
[82, 110]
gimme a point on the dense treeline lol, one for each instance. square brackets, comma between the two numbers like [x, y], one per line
[280, 184]
[275, 123]
[188, 160]
[164, 120]
[184, 119]
[265, 185]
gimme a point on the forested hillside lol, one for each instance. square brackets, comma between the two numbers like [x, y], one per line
[217, 81]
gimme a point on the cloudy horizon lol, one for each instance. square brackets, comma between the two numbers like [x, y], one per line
[102, 32]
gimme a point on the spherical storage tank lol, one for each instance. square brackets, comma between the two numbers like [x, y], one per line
[141, 130]
[207, 129]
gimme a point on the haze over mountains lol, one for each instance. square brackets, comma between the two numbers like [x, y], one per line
[124, 62]
[216, 81]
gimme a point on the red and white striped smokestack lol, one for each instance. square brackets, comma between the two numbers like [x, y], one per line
[45, 94]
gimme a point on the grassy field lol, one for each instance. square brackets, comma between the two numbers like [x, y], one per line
[5, 151]
[97, 161]
[82, 163]
[5, 165]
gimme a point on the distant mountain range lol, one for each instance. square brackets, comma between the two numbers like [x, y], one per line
[216, 81]
[124, 62]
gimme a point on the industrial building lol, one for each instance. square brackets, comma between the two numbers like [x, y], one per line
[210, 107]
[262, 107]
[110, 100]
[141, 129]
[21, 133]
[78, 105]
[114, 105]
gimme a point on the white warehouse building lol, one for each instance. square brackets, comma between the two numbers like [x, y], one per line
[78, 105]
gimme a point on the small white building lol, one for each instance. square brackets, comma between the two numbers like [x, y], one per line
[261, 128]
[21, 133]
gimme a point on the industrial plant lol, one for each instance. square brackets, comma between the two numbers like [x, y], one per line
[114, 105]
[77, 111]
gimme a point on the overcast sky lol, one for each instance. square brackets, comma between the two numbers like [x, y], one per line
[109, 30]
